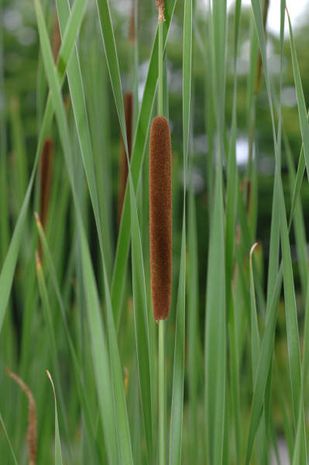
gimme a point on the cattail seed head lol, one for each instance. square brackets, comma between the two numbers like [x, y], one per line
[45, 178]
[160, 205]
[123, 164]
[56, 38]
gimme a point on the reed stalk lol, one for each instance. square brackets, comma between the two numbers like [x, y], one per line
[161, 19]
[161, 386]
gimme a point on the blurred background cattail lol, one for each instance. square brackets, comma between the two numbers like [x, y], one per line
[45, 179]
[160, 200]
[123, 163]
[259, 63]
[56, 38]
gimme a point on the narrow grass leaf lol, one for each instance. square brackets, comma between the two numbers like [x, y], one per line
[302, 112]
[263, 367]
[255, 335]
[141, 325]
[112, 62]
[176, 426]
[194, 365]
[290, 310]
[215, 344]
[58, 452]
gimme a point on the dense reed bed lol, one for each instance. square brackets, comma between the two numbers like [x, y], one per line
[165, 293]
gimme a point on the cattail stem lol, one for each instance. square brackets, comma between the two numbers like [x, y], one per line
[161, 393]
[161, 19]
[160, 71]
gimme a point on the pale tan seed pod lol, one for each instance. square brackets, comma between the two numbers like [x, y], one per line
[160, 206]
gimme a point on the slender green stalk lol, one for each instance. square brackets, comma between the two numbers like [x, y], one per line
[160, 68]
[161, 386]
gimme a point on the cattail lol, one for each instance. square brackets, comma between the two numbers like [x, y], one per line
[123, 165]
[32, 417]
[161, 7]
[259, 63]
[246, 188]
[45, 179]
[160, 200]
[56, 38]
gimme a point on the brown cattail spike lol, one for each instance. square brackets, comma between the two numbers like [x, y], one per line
[160, 200]
[123, 165]
[32, 417]
[161, 7]
[45, 179]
